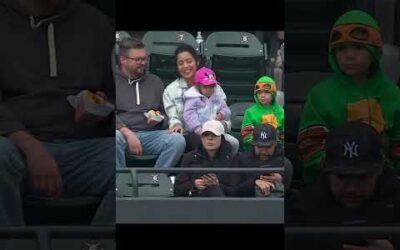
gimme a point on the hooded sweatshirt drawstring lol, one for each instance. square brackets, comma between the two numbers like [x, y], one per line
[137, 90]
[51, 44]
[52, 50]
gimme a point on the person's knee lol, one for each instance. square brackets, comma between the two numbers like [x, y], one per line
[7, 148]
[177, 141]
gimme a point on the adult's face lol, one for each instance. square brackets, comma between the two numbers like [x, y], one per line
[352, 190]
[210, 141]
[187, 65]
[134, 62]
[264, 152]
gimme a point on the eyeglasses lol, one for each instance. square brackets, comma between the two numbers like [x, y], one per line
[137, 60]
[355, 33]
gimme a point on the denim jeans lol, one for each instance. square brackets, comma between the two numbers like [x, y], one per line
[86, 166]
[168, 146]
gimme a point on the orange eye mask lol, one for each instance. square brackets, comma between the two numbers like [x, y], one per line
[264, 86]
[356, 33]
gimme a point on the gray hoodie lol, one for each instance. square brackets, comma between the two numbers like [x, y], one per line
[44, 60]
[135, 97]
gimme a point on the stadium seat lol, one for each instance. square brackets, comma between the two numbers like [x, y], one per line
[237, 112]
[280, 98]
[155, 185]
[238, 60]
[140, 161]
[161, 46]
[292, 154]
[136, 184]
[390, 62]
[119, 36]
[293, 113]
[124, 184]
[60, 211]
[299, 84]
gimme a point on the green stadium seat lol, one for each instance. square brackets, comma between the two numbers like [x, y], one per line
[237, 112]
[161, 46]
[238, 60]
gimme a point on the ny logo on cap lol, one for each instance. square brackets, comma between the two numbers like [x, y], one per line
[263, 135]
[350, 149]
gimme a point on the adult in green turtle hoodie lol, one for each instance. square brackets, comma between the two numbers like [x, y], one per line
[266, 110]
[358, 91]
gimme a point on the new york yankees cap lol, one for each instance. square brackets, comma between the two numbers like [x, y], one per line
[354, 148]
[264, 135]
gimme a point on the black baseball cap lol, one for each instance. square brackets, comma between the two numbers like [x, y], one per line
[264, 135]
[354, 148]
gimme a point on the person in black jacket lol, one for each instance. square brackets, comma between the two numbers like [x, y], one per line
[356, 188]
[213, 152]
[266, 152]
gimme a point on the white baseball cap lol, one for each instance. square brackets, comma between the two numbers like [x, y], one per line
[214, 127]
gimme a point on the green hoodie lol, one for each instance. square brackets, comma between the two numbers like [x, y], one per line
[259, 114]
[339, 99]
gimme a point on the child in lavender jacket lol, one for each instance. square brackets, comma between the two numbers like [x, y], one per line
[203, 103]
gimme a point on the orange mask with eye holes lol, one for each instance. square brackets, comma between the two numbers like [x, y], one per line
[264, 86]
[356, 33]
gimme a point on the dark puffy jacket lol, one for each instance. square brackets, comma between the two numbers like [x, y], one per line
[245, 182]
[198, 158]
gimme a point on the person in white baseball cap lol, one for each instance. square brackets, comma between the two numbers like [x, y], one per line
[213, 152]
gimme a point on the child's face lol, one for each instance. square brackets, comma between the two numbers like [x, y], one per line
[354, 60]
[207, 90]
[264, 97]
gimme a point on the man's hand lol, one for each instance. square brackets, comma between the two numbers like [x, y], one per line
[44, 172]
[152, 122]
[135, 146]
[373, 245]
[274, 178]
[84, 117]
[210, 180]
[199, 184]
[265, 186]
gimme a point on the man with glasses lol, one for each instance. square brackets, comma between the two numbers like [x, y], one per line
[358, 91]
[139, 92]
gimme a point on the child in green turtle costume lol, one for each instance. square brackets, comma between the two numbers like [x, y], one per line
[358, 91]
[266, 110]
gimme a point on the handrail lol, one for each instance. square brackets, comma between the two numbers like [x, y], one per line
[201, 170]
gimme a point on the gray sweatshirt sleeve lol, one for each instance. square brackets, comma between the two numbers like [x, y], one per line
[119, 124]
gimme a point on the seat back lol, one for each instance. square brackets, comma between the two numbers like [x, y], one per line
[133, 184]
[390, 62]
[161, 46]
[59, 211]
[238, 60]
[237, 113]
